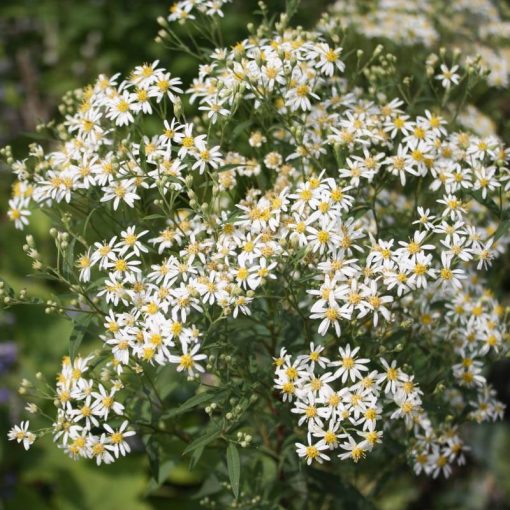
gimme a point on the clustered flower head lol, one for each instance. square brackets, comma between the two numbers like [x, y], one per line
[372, 223]
[84, 406]
[345, 406]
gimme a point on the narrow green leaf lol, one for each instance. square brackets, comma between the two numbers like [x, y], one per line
[234, 468]
[503, 228]
[43, 276]
[210, 486]
[347, 494]
[151, 217]
[80, 328]
[240, 128]
[88, 218]
[68, 262]
[195, 457]
[201, 398]
[202, 441]
[487, 202]
[152, 449]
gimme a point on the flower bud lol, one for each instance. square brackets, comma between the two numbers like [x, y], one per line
[162, 21]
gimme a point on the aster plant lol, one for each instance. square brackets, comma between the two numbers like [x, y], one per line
[278, 271]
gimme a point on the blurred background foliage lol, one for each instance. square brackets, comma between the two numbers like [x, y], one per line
[48, 47]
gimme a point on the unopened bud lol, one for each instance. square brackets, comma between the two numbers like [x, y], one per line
[162, 21]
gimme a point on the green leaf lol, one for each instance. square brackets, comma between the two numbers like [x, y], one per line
[201, 398]
[166, 381]
[68, 261]
[240, 129]
[346, 495]
[503, 228]
[234, 468]
[203, 441]
[487, 202]
[152, 449]
[88, 218]
[151, 217]
[163, 472]
[195, 457]
[361, 210]
[43, 276]
[81, 325]
[210, 486]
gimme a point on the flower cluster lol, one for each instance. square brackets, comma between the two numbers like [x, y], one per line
[369, 220]
[87, 160]
[84, 406]
[158, 303]
[343, 404]
[288, 68]
[87, 412]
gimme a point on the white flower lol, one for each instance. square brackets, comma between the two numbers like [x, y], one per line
[329, 58]
[117, 439]
[485, 180]
[331, 315]
[323, 238]
[121, 108]
[350, 366]
[438, 462]
[206, 157]
[21, 434]
[299, 97]
[425, 218]
[167, 86]
[85, 263]
[104, 402]
[121, 190]
[98, 449]
[188, 360]
[214, 109]
[145, 75]
[448, 276]
[391, 376]
[18, 212]
[354, 450]
[130, 240]
[448, 76]
[484, 254]
[313, 452]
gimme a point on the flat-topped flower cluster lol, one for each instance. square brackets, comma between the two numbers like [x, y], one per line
[369, 222]
[84, 405]
[344, 406]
